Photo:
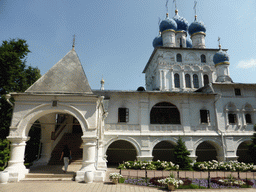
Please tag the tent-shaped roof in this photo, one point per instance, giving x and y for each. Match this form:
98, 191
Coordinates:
66, 76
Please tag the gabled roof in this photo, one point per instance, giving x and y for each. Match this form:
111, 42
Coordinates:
66, 76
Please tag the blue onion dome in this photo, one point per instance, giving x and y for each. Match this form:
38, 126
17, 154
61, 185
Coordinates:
158, 41
168, 24
182, 24
196, 26
221, 57
189, 43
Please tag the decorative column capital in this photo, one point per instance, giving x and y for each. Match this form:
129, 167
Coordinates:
15, 139
89, 140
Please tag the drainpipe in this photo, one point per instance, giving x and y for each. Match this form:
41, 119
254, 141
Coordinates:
8, 96
217, 125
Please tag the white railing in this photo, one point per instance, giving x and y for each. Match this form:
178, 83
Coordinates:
122, 127
239, 128
203, 128
165, 128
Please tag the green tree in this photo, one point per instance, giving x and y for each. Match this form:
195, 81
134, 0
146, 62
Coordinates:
252, 147
181, 156
4, 153
15, 76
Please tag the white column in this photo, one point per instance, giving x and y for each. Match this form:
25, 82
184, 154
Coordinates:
88, 164
212, 78
89, 148
144, 115
182, 80
164, 80
191, 80
171, 80
160, 80
47, 127
16, 167
243, 112
185, 117
227, 120
239, 115
46, 152
201, 79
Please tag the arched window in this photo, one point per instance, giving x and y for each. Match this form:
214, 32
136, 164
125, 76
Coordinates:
195, 81
248, 118
231, 114
203, 58
177, 80
206, 80
188, 81
179, 58
232, 118
164, 113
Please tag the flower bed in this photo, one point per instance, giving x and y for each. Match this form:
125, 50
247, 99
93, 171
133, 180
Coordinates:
115, 176
222, 166
152, 165
189, 183
231, 181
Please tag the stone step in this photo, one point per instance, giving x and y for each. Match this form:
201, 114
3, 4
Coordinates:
46, 179
48, 175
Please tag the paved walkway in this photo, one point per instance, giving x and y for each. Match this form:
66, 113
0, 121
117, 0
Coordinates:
71, 186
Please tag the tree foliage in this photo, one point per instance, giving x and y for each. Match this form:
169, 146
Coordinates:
252, 147
15, 76
4, 153
181, 156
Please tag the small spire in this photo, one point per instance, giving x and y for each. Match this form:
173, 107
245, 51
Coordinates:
159, 21
166, 5
175, 3
195, 10
102, 83
74, 40
219, 43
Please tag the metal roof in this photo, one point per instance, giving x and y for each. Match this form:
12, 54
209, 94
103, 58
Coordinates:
66, 76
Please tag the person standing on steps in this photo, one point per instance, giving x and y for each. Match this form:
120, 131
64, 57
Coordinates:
66, 154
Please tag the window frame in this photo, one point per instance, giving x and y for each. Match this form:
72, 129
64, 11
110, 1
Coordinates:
188, 81
179, 58
123, 115
246, 115
232, 116
176, 80
206, 118
195, 81
237, 92
203, 58
204, 79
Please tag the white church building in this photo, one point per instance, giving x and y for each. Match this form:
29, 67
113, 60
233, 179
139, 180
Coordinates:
188, 93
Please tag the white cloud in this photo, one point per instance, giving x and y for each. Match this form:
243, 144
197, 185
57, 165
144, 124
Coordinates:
246, 64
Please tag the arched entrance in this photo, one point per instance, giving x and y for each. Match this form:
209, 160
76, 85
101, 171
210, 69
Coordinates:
59, 129
163, 151
120, 151
243, 153
206, 152
164, 113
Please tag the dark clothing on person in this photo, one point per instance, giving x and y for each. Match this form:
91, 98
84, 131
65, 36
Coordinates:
66, 152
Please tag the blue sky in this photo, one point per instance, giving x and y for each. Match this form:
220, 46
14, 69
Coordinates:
114, 37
